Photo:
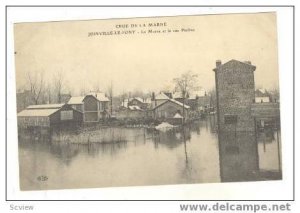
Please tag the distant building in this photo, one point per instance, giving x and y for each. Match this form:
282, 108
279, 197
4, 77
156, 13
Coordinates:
104, 106
198, 100
170, 109
262, 96
140, 102
94, 106
49, 115
274, 96
235, 93
204, 103
91, 109
130, 112
159, 99
178, 97
24, 99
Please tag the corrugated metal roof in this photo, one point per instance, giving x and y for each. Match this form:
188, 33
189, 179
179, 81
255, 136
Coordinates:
46, 106
76, 100
37, 112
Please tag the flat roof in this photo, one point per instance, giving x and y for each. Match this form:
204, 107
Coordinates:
46, 106
76, 100
37, 112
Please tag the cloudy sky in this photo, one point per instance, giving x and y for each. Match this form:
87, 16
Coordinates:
133, 60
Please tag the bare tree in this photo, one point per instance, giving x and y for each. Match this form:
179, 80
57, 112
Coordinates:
48, 93
58, 83
110, 95
36, 84
185, 84
123, 96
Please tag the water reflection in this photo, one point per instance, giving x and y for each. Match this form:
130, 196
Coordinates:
238, 156
242, 158
194, 154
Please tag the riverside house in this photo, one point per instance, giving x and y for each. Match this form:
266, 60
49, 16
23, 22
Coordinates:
94, 106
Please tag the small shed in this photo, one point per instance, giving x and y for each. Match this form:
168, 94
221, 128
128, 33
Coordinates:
49, 115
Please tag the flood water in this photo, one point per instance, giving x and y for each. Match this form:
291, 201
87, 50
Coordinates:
196, 154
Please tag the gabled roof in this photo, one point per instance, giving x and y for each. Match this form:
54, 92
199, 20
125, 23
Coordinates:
262, 90
162, 96
45, 106
37, 112
173, 101
177, 115
232, 61
91, 96
100, 96
261, 93
76, 100
138, 99
145, 101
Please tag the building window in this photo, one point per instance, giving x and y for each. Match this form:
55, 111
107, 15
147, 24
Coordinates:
66, 115
230, 119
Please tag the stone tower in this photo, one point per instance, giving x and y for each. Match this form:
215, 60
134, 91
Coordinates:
235, 93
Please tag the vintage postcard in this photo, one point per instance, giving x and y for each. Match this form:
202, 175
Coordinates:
148, 101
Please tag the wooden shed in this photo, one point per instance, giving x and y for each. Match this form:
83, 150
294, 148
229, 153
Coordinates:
49, 115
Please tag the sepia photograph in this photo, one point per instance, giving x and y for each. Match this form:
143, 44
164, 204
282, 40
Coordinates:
164, 100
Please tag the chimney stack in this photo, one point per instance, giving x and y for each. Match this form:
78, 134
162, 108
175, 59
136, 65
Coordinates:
153, 96
218, 63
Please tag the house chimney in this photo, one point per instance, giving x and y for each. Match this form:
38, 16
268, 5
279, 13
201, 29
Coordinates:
247, 62
218, 63
153, 96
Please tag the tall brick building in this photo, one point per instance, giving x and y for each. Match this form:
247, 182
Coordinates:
235, 92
